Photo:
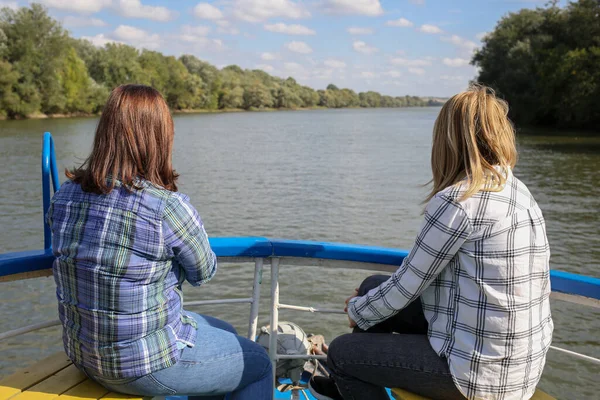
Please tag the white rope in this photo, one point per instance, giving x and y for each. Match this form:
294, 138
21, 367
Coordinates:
27, 329
578, 355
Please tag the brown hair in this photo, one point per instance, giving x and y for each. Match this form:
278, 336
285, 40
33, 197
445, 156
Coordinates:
134, 140
473, 136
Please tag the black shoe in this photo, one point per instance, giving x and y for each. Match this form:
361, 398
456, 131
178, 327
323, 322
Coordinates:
324, 388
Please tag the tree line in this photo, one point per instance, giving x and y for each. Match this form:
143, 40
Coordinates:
546, 64
43, 70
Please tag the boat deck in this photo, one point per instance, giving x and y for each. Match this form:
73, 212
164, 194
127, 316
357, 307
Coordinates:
57, 378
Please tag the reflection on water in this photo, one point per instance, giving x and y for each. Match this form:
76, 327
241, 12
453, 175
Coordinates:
339, 175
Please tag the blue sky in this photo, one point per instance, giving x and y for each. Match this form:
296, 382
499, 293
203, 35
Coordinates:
396, 47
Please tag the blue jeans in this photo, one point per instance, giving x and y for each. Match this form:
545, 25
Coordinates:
221, 362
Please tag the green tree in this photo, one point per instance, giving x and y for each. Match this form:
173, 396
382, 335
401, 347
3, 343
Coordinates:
78, 88
119, 64
286, 97
233, 98
36, 46
545, 63
9, 99
257, 95
210, 78
310, 98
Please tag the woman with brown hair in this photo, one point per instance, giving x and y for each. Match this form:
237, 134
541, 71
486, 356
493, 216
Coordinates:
467, 314
125, 240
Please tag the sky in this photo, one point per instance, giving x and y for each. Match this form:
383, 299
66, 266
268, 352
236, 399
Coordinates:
395, 47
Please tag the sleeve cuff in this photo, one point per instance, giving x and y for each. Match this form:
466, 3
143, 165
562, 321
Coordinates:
360, 322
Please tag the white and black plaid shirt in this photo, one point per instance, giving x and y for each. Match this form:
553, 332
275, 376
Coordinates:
481, 267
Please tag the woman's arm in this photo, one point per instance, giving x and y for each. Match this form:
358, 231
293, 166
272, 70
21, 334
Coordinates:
186, 238
443, 231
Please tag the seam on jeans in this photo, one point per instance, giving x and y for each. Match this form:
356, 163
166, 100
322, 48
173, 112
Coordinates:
225, 357
348, 390
269, 364
394, 365
161, 385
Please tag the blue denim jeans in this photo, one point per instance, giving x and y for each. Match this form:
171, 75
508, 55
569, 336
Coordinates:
221, 362
395, 354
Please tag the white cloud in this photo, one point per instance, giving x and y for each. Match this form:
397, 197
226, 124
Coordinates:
455, 62
452, 78
394, 73
126, 8
9, 4
135, 9
265, 67
293, 67
189, 43
100, 40
226, 27
80, 6
269, 56
228, 31
481, 35
395, 83
460, 42
136, 37
367, 75
193, 39
193, 33
405, 62
370, 8
402, 22
299, 47
364, 48
323, 73
74, 21
207, 11
262, 10
430, 29
289, 29
335, 64
417, 71
418, 2
360, 31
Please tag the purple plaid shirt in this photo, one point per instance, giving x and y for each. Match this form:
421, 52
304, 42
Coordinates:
120, 262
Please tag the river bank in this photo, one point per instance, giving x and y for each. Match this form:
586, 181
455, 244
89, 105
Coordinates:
200, 111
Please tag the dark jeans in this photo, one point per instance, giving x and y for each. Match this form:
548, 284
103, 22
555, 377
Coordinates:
395, 353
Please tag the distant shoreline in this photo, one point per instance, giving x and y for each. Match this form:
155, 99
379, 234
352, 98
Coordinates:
205, 111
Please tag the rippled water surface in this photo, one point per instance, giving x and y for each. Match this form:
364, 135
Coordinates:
350, 176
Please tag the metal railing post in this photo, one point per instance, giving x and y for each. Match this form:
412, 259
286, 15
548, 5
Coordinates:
274, 317
253, 324
49, 175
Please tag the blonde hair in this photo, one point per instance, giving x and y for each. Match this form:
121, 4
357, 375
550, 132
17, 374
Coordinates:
472, 137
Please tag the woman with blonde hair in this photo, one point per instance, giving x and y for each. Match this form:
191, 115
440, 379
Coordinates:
125, 240
467, 314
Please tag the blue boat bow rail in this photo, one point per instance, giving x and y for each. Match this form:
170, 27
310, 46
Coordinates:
247, 248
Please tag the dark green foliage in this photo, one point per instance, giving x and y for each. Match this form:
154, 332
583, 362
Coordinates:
545, 63
44, 70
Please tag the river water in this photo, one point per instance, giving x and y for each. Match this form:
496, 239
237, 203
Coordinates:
351, 176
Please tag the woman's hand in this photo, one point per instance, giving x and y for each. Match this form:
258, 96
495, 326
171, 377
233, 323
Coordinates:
351, 322
350, 298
